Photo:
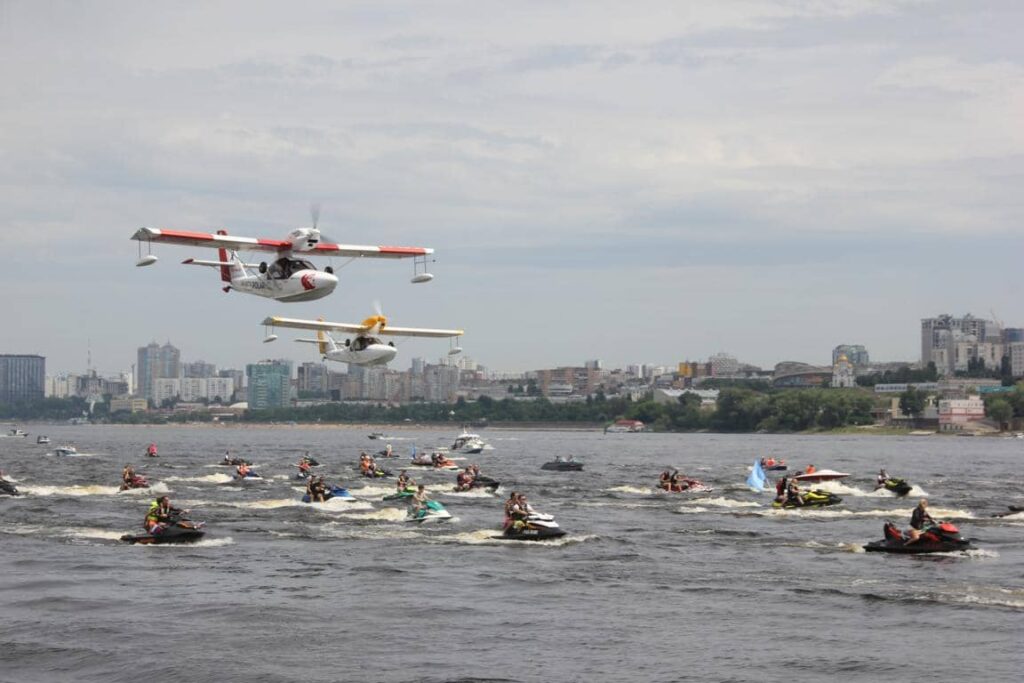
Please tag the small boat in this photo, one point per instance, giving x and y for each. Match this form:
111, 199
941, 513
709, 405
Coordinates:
65, 450
562, 465
377, 435
17, 433
469, 444
818, 476
42, 439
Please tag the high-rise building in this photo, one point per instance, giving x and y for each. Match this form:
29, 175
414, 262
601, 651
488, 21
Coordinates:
855, 353
312, 378
724, 365
269, 384
592, 364
198, 368
950, 342
156, 362
22, 378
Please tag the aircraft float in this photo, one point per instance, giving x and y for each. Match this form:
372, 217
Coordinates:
287, 278
365, 347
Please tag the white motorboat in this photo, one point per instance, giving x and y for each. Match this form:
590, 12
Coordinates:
65, 450
819, 476
17, 433
469, 444
43, 439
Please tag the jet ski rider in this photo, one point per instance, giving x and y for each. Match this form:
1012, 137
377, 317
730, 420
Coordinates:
665, 480
316, 489
793, 493
160, 515
464, 480
419, 499
404, 481
920, 520
128, 475
242, 471
882, 477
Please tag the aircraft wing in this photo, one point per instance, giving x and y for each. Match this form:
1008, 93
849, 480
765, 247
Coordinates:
313, 325
236, 243
418, 332
356, 329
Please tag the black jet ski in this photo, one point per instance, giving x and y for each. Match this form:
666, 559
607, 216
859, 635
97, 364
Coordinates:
815, 498
480, 482
377, 474
8, 489
559, 465
536, 527
898, 486
180, 531
312, 462
234, 462
1013, 510
943, 537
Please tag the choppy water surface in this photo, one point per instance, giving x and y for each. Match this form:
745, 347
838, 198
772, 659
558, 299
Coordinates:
646, 587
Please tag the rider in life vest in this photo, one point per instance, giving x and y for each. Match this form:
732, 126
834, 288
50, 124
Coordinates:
811, 469
242, 471
151, 450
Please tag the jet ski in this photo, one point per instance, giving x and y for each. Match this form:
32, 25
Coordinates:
814, 498
334, 492
249, 476
560, 465
405, 493
941, 538
180, 531
438, 463
818, 476
8, 489
137, 482
898, 486
774, 465
690, 486
312, 462
431, 512
234, 462
377, 473
536, 527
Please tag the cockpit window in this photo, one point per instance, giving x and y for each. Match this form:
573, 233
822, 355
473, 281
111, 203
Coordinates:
284, 267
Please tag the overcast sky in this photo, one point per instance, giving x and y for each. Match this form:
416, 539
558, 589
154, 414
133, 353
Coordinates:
636, 182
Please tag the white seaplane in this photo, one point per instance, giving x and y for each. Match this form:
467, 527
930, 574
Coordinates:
287, 278
365, 346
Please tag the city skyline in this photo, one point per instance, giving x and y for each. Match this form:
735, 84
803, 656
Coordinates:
768, 179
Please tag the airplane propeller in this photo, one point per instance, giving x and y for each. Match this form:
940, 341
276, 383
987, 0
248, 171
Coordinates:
314, 215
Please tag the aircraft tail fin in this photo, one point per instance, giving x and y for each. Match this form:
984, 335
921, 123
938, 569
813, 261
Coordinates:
322, 338
225, 271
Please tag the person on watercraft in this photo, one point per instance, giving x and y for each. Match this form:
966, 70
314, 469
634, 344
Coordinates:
242, 471
793, 493
474, 470
920, 520
419, 499
387, 451
464, 480
127, 475
781, 486
679, 482
511, 509
404, 481
151, 450
317, 490
304, 468
882, 477
665, 480
811, 469
160, 515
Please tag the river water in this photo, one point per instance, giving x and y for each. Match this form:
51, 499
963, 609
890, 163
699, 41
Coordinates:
647, 586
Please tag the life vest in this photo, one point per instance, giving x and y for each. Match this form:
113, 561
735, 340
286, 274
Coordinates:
811, 469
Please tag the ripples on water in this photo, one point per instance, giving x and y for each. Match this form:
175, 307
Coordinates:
647, 586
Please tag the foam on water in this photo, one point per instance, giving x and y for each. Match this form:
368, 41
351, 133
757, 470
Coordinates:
105, 534
201, 543
638, 490
339, 505
219, 478
472, 493
84, 490
384, 514
725, 503
493, 537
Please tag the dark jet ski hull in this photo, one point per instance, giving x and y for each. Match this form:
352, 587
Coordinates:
532, 534
775, 468
897, 486
919, 548
562, 466
485, 483
8, 489
811, 501
167, 536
